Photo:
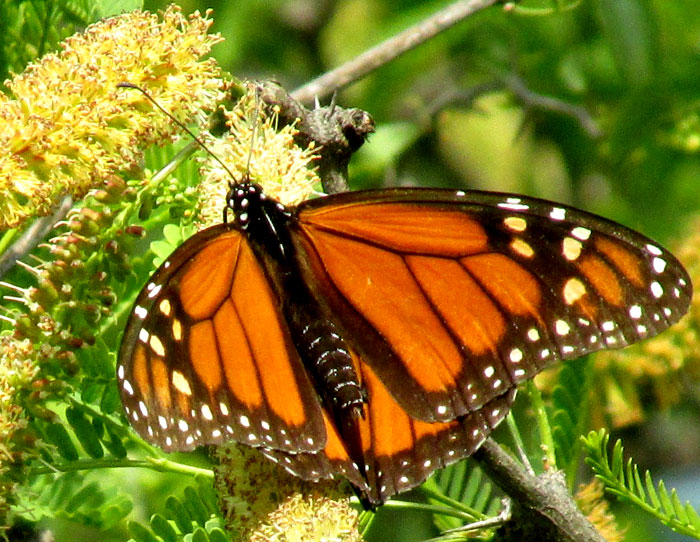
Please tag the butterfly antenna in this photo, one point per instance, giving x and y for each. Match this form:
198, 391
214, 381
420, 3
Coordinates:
253, 133
181, 125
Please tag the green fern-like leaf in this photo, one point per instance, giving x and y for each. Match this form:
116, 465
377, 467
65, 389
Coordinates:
623, 480
569, 414
73, 496
81, 433
194, 517
29, 29
464, 487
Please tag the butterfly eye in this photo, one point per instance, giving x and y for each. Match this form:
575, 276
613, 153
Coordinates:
380, 335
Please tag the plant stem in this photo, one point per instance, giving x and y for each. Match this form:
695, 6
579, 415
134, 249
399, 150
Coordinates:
388, 50
543, 508
159, 464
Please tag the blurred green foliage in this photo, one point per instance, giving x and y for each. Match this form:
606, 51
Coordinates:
447, 113
597, 106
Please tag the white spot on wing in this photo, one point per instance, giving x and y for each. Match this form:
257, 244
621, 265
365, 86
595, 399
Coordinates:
574, 290
561, 327
608, 325
165, 307
635, 312
571, 248
177, 329
157, 345
659, 265
515, 223
514, 204
521, 247
154, 291
656, 251
180, 383
206, 412
581, 233
557, 213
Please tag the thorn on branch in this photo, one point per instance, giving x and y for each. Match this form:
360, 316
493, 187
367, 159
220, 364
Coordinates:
337, 131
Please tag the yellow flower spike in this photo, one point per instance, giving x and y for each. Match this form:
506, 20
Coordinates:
591, 500
255, 145
17, 370
68, 126
263, 503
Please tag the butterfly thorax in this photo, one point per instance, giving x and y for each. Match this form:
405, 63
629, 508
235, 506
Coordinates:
258, 217
266, 224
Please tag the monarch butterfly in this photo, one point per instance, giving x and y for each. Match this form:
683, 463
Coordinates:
379, 335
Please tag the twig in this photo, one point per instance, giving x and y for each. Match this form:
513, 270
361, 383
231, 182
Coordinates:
488, 523
33, 235
548, 103
388, 50
527, 98
543, 509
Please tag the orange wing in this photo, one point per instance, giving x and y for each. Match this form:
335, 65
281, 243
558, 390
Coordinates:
453, 298
396, 452
430, 306
207, 356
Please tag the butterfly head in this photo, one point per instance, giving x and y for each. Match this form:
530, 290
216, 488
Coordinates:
251, 208
241, 199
